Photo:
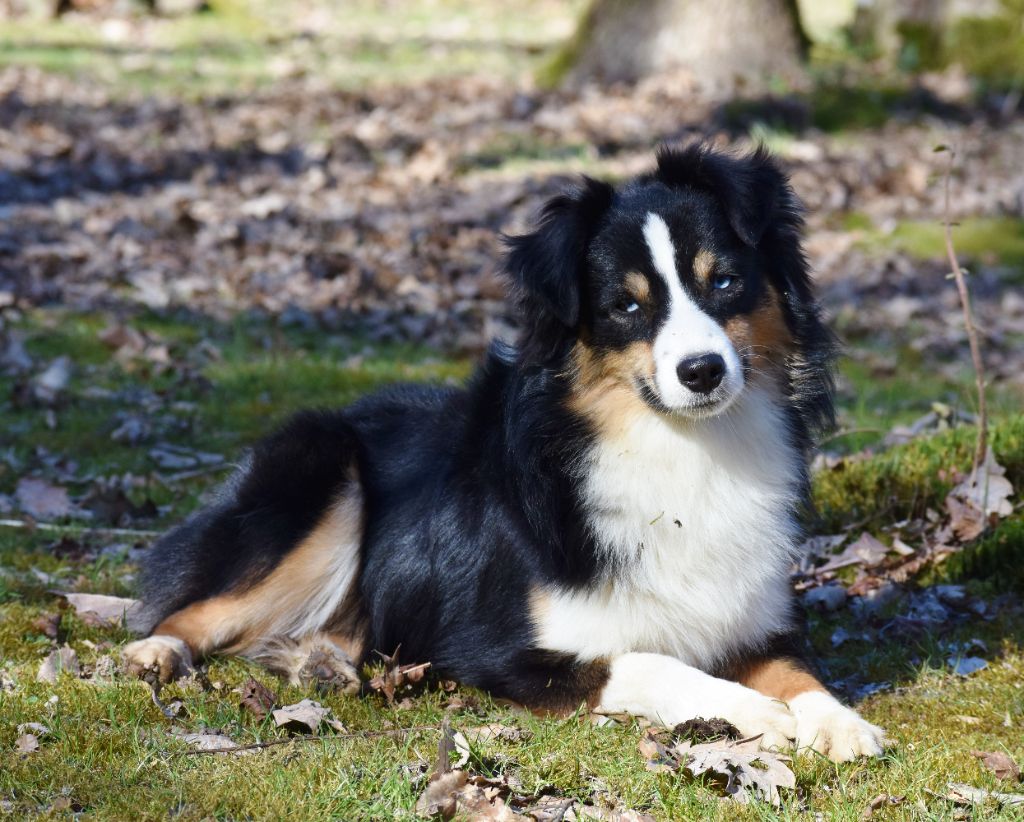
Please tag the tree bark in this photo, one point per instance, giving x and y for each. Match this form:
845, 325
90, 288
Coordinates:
722, 43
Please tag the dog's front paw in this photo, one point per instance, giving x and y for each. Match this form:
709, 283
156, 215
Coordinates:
825, 725
756, 715
160, 658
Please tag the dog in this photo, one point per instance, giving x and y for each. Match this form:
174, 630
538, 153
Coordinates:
606, 515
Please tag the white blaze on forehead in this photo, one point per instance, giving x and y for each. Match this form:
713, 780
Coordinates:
663, 253
688, 331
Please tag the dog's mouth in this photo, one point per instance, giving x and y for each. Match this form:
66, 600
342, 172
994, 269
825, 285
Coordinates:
700, 406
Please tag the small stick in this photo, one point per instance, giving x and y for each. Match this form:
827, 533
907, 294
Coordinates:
311, 738
981, 448
75, 529
848, 433
192, 473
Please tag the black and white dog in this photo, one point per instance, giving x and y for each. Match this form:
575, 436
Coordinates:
607, 514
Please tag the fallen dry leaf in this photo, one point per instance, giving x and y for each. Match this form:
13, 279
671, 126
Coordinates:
1001, 764
866, 551
50, 384
480, 800
41, 500
964, 794
26, 744
988, 490
48, 625
966, 520
439, 799
967, 665
63, 660
257, 698
739, 772
214, 742
737, 769
100, 610
396, 676
457, 793
306, 716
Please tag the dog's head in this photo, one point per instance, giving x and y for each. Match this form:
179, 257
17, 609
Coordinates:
677, 290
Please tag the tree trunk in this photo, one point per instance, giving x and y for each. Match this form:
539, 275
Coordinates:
722, 43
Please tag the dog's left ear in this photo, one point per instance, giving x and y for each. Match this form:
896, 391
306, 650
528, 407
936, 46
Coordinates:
752, 189
549, 264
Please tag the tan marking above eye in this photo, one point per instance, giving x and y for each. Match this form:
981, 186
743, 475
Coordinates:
703, 265
638, 287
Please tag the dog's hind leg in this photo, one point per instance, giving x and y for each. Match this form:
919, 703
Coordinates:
300, 620
269, 571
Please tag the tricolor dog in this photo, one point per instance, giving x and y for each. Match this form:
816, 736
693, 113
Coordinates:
606, 514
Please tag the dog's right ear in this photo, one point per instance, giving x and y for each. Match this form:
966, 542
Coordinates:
548, 264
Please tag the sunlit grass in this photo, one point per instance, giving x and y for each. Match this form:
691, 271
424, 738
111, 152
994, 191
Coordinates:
109, 751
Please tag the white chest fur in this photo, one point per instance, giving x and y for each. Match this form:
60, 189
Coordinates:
698, 519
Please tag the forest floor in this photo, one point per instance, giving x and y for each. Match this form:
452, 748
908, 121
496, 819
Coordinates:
208, 223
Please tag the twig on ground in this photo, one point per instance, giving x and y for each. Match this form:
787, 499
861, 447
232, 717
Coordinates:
31, 525
312, 738
849, 432
192, 473
981, 449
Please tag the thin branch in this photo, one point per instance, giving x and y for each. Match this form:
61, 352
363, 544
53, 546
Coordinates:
849, 432
31, 525
311, 738
192, 473
981, 448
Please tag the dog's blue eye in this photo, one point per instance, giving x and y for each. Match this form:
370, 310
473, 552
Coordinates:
627, 306
722, 281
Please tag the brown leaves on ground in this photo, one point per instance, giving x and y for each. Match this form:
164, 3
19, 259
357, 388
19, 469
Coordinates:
306, 717
459, 793
62, 660
999, 763
397, 678
48, 624
28, 739
736, 769
974, 504
978, 501
103, 611
43, 500
963, 794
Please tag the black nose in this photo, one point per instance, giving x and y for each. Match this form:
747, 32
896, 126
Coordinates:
702, 374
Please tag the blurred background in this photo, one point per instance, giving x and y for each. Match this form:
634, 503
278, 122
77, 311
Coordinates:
190, 186
214, 213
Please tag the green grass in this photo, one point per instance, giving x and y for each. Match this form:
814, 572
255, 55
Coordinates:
239, 47
110, 753
993, 240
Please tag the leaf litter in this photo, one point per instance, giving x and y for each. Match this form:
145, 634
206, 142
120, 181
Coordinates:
999, 763
735, 768
455, 791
